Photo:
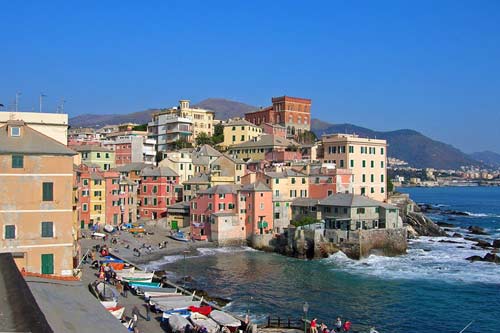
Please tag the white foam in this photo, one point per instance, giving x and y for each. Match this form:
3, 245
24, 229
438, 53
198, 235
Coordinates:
444, 261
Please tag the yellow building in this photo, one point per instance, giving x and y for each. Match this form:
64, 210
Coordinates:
36, 206
97, 198
367, 158
96, 155
238, 131
257, 148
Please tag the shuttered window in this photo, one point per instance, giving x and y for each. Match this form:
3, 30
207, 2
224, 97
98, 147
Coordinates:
47, 229
48, 192
17, 161
10, 231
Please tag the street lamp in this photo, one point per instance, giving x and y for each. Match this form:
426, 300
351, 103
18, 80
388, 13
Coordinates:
305, 307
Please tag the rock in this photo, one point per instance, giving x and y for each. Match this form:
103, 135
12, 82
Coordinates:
456, 235
496, 243
483, 243
460, 247
455, 212
474, 229
491, 257
472, 239
423, 225
449, 241
445, 224
495, 251
411, 233
474, 258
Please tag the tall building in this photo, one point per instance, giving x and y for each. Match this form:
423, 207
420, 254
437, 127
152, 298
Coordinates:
366, 158
36, 200
181, 123
293, 113
238, 131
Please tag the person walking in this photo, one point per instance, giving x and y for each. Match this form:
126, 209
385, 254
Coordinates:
338, 325
314, 328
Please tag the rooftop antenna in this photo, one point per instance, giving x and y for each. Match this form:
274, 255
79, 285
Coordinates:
41, 100
17, 100
62, 105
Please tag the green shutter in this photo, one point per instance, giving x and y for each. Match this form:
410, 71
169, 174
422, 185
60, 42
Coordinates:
47, 264
48, 192
10, 231
17, 161
47, 229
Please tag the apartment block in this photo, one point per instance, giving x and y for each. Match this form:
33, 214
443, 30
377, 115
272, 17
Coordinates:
158, 189
238, 131
101, 157
366, 158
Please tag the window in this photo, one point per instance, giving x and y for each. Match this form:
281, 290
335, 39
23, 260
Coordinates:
107, 155
10, 232
351, 149
48, 192
341, 163
230, 206
382, 190
209, 206
372, 164
276, 215
97, 182
242, 138
372, 190
15, 131
144, 189
47, 229
262, 206
303, 180
352, 163
363, 191
381, 151
17, 161
98, 155
145, 201
86, 182
277, 193
382, 164
382, 178
222, 196
363, 178
155, 189
97, 193
293, 180
234, 138
85, 207
372, 178
97, 207
363, 163
360, 211
155, 201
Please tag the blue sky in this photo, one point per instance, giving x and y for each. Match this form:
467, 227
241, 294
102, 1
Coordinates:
432, 66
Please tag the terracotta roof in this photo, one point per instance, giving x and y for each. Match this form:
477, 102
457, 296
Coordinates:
30, 142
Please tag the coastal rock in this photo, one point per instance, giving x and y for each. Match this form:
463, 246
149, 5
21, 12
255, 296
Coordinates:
474, 258
474, 229
496, 243
455, 212
423, 225
411, 233
445, 224
472, 239
483, 243
450, 241
456, 235
488, 257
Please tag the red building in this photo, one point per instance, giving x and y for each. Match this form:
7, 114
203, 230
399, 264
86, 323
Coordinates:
293, 113
325, 182
113, 212
158, 189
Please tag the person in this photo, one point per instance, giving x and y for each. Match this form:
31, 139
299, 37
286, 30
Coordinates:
135, 311
314, 329
323, 328
338, 325
347, 326
125, 289
119, 288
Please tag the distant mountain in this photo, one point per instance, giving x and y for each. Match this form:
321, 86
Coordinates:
487, 157
408, 145
100, 120
224, 108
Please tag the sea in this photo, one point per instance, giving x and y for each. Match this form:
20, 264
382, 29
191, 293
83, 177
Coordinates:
430, 289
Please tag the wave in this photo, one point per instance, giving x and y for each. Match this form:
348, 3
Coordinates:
481, 214
426, 258
200, 252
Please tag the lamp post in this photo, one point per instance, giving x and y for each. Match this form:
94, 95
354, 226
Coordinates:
305, 307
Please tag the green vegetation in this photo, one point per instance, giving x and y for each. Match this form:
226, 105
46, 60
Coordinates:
218, 134
203, 139
390, 185
305, 220
143, 127
182, 143
307, 137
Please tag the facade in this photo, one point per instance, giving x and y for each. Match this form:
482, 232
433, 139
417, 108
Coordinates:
36, 200
195, 184
132, 171
53, 125
238, 131
293, 113
324, 182
95, 155
113, 214
178, 215
181, 162
158, 189
366, 158
256, 203
132, 149
203, 157
274, 129
257, 148
227, 170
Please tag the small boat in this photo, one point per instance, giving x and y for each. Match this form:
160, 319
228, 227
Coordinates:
224, 319
180, 236
178, 323
174, 305
126, 271
138, 230
149, 294
109, 228
170, 298
145, 284
103, 291
204, 310
109, 304
135, 277
181, 312
97, 235
204, 321
117, 311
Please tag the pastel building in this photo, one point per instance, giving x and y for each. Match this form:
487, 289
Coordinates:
181, 162
258, 148
366, 158
256, 203
102, 157
324, 182
158, 189
238, 131
36, 200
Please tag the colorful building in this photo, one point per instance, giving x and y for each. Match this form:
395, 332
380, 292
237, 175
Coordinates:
158, 189
238, 131
256, 203
257, 148
324, 182
36, 200
96, 155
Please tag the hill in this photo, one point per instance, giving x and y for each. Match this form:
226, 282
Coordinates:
224, 108
411, 146
487, 157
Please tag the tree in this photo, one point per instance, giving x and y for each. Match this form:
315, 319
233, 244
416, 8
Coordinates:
307, 137
390, 185
304, 220
143, 127
203, 139
218, 134
182, 143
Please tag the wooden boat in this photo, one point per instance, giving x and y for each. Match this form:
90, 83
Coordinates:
145, 284
170, 298
135, 277
109, 228
178, 323
126, 271
204, 321
149, 294
109, 304
224, 319
180, 236
204, 310
181, 312
103, 291
173, 305
117, 311
137, 230
97, 235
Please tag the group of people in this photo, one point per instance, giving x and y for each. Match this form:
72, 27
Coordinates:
338, 326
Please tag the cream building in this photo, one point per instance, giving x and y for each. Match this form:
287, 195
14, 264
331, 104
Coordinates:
54, 125
238, 131
181, 162
257, 148
367, 158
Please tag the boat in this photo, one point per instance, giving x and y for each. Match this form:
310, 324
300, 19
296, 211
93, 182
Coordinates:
204, 310
109, 304
181, 312
224, 319
145, 284
178, 323
203, 321
170, 298
97, 235
138, 230
174, 305
126, 271
180, 236
149, 294
109, 228
135, 277
117, 311
103, 291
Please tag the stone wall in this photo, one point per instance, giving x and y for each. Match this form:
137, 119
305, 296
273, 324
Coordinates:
388, 242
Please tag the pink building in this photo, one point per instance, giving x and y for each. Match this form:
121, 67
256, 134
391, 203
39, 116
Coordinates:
281, 156
113, 213
158, 189
325, 182
274, 129
257, 204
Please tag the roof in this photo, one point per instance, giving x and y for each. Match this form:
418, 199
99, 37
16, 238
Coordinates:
127, 181
284, 174
305, 202
239, 122
234, 159
151, 171
136, 166
202, 178
352, 200
91, 148
256, 187
96, 176
224, 214
221, 189
207, 150
266, 140
30, 142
